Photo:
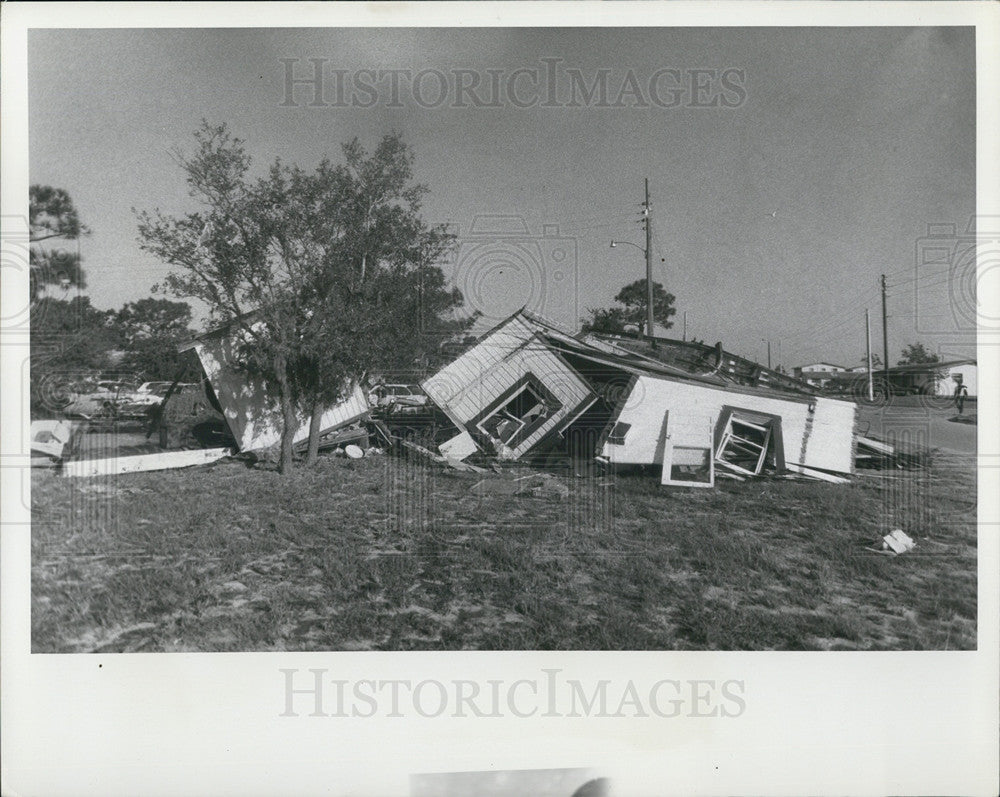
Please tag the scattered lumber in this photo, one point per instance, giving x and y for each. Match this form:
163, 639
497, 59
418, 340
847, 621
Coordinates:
143, 462
875, 445
813, 473
451, 463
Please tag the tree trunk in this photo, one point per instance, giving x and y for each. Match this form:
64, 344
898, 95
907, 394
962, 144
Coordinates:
314, 430
289, 425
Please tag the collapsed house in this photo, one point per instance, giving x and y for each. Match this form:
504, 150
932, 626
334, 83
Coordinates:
527, 388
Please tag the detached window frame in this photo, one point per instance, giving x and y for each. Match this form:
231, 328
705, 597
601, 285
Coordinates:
525, 428
681, 456
773, 450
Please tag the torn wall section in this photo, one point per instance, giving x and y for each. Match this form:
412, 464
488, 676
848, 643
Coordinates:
814, 432
510, 391
251, 409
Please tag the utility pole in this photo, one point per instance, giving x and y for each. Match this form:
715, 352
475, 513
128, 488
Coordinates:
649, 265
885, 339
868, 350
768, 342
684, 336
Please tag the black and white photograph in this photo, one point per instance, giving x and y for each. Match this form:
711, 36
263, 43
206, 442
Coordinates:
542, 340
517, 339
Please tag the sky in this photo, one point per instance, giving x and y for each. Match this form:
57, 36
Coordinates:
810, 162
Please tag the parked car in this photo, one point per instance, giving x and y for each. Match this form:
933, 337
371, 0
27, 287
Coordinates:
150, 395
398, 397
103, 398
152, 392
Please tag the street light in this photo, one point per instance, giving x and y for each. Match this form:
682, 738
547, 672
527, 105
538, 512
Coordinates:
649, 288
628, 243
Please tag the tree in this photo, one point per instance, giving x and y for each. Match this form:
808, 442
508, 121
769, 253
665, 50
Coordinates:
377, 300
318, 275
238, 255
52, 215
876, 361
608, 321
632, 299
70, 340
917, 353
150, 330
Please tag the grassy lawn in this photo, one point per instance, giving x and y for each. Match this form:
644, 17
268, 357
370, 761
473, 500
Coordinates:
388, 554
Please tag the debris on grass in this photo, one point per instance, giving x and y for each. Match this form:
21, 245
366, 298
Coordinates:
459, 447
538, 485
898, 542
143, 462
49, 439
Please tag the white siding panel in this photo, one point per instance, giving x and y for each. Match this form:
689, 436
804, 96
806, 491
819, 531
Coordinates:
469, 384
693, 408
828, 446
252, 411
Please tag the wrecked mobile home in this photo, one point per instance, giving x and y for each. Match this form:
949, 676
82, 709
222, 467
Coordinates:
528, 388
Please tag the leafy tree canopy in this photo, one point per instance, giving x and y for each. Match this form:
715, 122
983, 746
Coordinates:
877, 364
150, 330
631, 309
52, 215
916, 354
153, 318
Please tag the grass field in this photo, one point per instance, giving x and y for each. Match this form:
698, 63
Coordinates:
388, 554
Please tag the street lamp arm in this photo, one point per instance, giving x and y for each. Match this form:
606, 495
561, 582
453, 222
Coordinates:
627, 243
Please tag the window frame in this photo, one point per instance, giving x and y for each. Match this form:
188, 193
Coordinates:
528, 381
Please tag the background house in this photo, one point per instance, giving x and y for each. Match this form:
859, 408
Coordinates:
817, 374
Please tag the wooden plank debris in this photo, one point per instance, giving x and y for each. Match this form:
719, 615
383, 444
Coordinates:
813, 473
898, 542
459, 447
144, 462
451, 463
875, 445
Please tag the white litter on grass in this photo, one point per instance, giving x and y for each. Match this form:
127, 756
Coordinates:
898, 542
353, 451
459, 447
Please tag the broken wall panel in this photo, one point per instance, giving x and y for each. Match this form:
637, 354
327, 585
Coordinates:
816, 432
252, 410
510, 390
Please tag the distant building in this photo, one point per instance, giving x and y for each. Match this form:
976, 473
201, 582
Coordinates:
818, 374
828, 367
930, 379
935, 379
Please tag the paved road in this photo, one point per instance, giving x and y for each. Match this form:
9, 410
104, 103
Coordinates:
910, 417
